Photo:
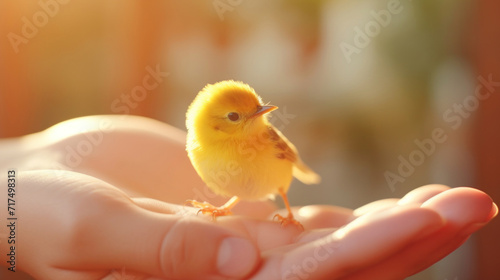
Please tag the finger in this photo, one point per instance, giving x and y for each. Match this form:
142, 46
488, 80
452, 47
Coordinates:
259, 209
463, 209
269, 235
422, 194
378, 205
266, 234
158, 206
323, 216
168, 246
319, 216
463, 206
366, 240
401, 265
122, 273
416, 196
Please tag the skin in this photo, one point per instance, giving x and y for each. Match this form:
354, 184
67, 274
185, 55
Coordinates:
110, 217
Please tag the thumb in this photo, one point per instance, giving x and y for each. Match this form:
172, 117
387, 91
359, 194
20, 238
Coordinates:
197, 249
175, 247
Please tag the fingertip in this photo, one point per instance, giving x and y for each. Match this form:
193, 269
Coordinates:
198, 249
463, 206
237, 257
475, 226
494, 211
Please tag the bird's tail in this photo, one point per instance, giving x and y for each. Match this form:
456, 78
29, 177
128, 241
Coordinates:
302, 172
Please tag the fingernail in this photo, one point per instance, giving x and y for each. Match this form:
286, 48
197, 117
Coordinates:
237, 257
471, 228
468, 230
494, 211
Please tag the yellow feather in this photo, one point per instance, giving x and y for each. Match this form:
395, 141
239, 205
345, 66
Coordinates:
234, 148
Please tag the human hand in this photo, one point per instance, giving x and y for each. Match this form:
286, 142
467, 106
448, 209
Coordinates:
82, 210
386, 239
121, 234
78, 227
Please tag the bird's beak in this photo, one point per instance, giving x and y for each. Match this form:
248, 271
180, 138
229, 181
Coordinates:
264, 109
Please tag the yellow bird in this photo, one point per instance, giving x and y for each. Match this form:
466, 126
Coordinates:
237, 152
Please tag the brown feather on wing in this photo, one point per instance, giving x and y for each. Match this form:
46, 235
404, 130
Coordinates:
286, 150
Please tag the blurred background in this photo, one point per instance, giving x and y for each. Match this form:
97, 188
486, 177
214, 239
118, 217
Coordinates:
380, 96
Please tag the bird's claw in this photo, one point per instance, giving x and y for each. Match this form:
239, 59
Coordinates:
207, 208
284, 221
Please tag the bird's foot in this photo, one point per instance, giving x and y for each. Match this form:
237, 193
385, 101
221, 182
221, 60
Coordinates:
207, 208
284, 221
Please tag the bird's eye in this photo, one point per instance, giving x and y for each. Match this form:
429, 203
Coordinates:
233, 116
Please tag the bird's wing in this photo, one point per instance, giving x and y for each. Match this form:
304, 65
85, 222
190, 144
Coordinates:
286, 150
302, 172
